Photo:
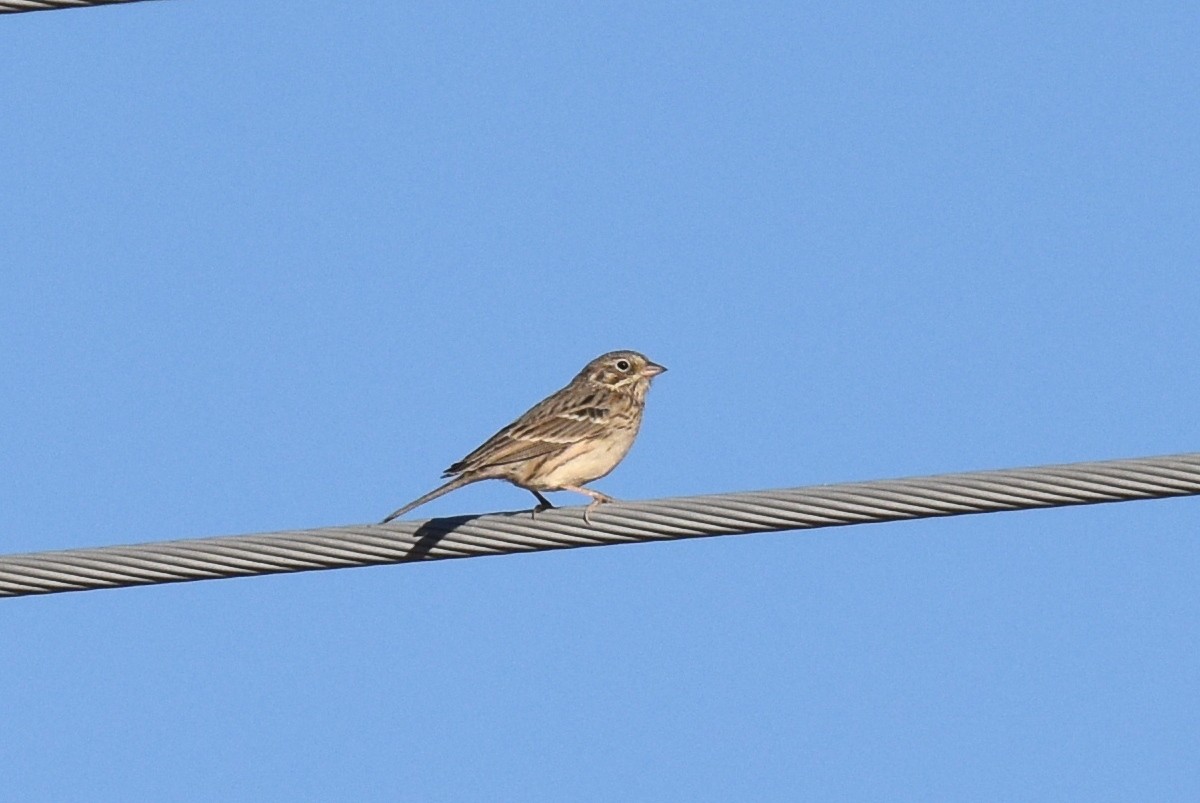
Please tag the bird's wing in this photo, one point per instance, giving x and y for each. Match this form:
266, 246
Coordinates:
550, 426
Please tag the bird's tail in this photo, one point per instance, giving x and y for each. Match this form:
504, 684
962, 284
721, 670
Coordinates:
454, 484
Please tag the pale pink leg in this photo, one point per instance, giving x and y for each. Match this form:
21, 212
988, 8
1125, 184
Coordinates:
597, 499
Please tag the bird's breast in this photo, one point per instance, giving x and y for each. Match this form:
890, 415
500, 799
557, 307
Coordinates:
585, 461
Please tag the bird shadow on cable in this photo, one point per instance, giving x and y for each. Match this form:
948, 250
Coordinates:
432, 532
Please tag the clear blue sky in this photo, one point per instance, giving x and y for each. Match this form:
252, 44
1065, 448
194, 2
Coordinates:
275, 265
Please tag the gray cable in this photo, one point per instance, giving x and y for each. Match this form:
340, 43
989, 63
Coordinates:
561, 528
16, 6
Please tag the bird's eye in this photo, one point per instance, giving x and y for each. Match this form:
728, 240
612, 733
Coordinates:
622, 365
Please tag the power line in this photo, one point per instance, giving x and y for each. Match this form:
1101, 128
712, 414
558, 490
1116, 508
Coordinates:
618, 523
17, 6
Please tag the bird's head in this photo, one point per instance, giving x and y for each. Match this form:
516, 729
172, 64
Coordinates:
622, 371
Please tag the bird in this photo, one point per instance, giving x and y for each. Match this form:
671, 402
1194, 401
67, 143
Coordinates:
574, 436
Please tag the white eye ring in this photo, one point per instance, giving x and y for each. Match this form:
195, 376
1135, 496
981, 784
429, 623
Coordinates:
622, 365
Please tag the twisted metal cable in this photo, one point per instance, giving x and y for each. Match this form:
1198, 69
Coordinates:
563, 528
17, 6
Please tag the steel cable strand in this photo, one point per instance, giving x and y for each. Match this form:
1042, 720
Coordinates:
562, 528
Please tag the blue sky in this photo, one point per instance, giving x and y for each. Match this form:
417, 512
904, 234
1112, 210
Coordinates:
270, 265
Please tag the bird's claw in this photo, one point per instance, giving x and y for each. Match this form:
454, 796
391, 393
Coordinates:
596, 502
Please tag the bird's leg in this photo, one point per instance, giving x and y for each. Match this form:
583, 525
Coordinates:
543, 503
597, 499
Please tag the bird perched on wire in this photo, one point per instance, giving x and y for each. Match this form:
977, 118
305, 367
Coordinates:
568, 439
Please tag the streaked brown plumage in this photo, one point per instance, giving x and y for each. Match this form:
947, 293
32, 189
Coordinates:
570, 438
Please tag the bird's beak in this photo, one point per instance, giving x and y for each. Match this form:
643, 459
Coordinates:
652, 369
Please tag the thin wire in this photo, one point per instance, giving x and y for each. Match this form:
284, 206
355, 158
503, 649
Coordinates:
17, 6
618, 523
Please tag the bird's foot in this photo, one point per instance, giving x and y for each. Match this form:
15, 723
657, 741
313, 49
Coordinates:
597, 500
543, 504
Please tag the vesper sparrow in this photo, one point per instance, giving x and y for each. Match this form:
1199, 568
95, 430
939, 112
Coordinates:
568, 439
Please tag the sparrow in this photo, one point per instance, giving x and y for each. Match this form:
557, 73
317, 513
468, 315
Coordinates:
572, 437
